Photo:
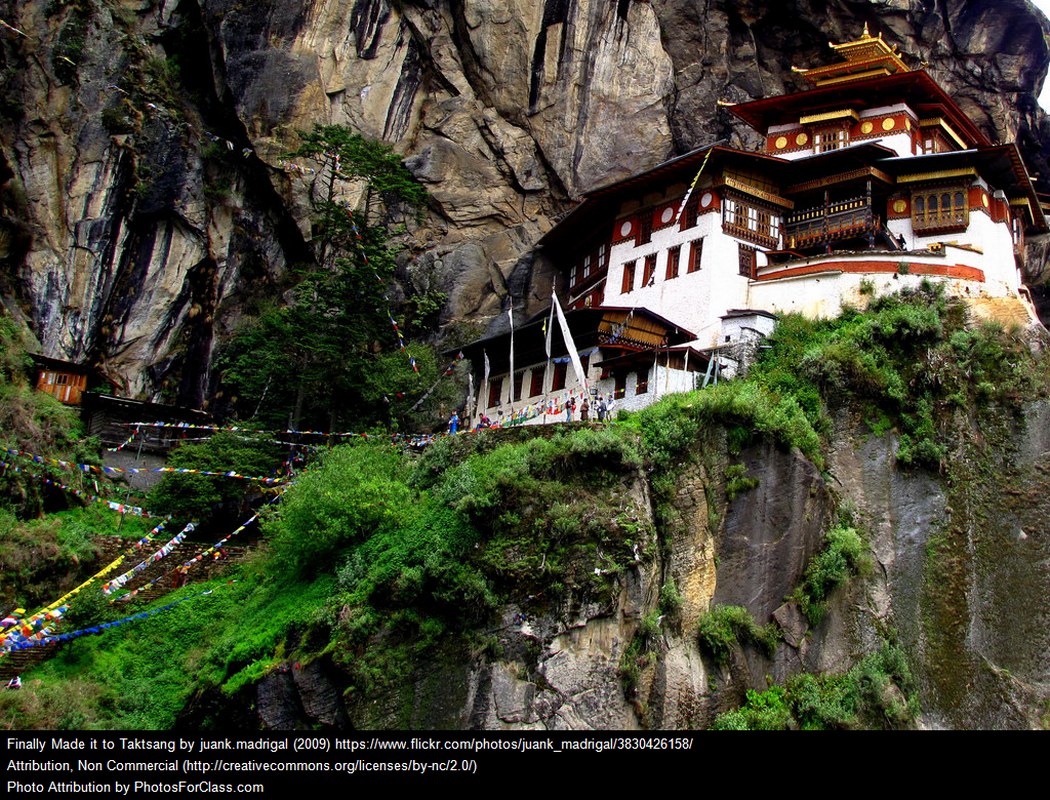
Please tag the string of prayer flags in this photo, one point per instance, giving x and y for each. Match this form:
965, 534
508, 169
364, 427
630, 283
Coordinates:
186, 566
37, 623
104, 470
125, 443
119, 581
87, 497
47, 639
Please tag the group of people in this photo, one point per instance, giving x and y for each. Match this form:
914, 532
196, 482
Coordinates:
602, 407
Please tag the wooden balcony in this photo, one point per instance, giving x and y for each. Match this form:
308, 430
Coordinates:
841, 220
748, 235
940, 221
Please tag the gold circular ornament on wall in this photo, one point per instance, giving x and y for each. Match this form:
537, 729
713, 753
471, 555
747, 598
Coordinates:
900, 206
984, 200
801, 139
888, 123
907, 124
867, 127
781, 142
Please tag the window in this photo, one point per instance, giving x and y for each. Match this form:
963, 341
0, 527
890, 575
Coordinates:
825, 139
628, 278
729, 209
586, 266
755, 223
696, 250
649, 271
672, 262
495, 391
940, 210
519, 379
748, 261
603, 252
536, 384
645, 228
559, 376
642, 384
692, 213
572, 276
620, 389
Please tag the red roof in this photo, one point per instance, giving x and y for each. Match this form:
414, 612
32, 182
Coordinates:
916, 88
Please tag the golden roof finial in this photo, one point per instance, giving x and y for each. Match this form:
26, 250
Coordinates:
866, 35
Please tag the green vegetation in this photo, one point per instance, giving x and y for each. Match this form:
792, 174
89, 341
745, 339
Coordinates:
35, 422
188, 497
737, 481
380, 561
879, 692
845, 555
724, 627
331, 358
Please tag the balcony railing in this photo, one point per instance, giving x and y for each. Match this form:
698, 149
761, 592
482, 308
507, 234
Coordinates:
840, 220
762, 238
940, 221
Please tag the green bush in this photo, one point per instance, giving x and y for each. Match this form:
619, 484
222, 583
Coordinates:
722, 628
190, 496
844, 556
737, 481
357, 492
878, 692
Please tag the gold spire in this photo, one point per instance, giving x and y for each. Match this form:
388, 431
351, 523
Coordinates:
864, 58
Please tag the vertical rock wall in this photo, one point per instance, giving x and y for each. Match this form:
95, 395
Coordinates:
146, 205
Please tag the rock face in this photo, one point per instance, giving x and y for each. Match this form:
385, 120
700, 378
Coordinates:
959, 582
145, 203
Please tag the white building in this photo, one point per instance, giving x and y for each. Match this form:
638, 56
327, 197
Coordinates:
872, 180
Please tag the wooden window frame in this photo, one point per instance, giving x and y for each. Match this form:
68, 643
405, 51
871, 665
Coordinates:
536, 381
696, 255
928, 214
747, 260
674, 254
495, 392
560, 372
627, 284
648, 270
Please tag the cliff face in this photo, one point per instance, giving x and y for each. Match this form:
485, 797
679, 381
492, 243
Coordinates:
146, 204
956, 583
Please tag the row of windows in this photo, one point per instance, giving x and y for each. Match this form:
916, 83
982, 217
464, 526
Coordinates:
641, 384
940, 210
593, 263
747, 221
671, 267
536, 380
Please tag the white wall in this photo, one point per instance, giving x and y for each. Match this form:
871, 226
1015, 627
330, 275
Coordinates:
693, 300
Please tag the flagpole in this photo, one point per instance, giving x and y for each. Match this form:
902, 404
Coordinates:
689, 191
510, 391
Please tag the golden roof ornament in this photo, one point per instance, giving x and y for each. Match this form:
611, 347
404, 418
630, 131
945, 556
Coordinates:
865, 57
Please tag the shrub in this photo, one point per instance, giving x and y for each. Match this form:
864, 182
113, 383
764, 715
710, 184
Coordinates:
844, 556
358, 491
192, 496
720, 629
877, 692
